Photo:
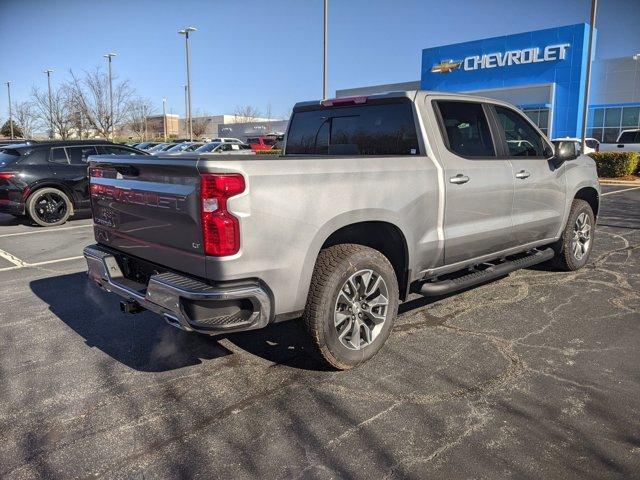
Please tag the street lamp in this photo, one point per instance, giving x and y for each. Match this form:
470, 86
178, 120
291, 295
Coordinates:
186, 109
164, 117
48, 73
185, 31
636, 57
109, 56
325, 58
587, 79
10, 111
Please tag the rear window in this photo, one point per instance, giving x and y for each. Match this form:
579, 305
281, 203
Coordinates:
8, 156
629, 137
383, 129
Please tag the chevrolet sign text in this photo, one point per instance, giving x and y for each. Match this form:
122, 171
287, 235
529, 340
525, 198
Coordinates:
517, 57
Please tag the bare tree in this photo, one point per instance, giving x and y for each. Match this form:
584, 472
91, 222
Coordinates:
60, 116
199, 123
246, 114
91, 93
137, 112
26, 116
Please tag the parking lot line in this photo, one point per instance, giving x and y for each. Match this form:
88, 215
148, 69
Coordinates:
22, 264
45, 230
12, 259
620, 191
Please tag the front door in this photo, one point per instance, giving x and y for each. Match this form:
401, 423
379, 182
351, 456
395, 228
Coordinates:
478, 184
540, 188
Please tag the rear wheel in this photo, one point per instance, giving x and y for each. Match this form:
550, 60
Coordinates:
575, 245
49, 207
352, 304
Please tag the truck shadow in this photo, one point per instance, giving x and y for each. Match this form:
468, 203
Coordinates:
145, 342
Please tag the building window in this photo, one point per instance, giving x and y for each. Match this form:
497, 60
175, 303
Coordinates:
605, 124
539, 116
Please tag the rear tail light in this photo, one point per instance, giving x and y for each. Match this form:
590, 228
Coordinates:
7, 175
220, 229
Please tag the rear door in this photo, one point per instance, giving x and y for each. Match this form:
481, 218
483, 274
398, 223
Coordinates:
149, 207
78, 176
540, 188
478, 183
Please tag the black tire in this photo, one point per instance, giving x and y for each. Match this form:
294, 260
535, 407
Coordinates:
49, 207
566, 258
334, 267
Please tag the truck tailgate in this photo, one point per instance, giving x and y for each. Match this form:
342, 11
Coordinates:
149, 207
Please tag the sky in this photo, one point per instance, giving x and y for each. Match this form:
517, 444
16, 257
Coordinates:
268, 53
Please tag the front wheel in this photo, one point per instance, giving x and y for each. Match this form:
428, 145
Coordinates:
49, 207
575, 245
352, 304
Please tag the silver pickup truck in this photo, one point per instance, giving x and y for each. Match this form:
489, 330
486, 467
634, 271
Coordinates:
373, 198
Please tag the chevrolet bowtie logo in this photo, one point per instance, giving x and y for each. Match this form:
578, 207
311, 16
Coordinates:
446, 66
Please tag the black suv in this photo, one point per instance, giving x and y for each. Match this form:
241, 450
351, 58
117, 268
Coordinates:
48, 181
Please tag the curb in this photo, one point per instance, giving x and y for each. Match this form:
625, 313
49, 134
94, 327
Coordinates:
604, 181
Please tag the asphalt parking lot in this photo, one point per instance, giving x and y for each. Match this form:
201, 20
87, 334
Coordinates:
532, 376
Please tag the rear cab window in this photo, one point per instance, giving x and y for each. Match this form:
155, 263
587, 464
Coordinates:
369, 129
465, 129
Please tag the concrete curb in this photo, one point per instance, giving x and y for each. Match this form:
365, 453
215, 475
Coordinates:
605, 181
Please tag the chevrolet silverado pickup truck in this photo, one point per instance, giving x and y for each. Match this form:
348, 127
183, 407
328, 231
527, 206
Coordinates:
372, 199
628, 141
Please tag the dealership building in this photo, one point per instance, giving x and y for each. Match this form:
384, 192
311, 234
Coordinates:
543, 73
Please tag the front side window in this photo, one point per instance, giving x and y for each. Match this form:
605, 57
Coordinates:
629, 137
522, 139
383, 129
467, 129
79, 155
58, 155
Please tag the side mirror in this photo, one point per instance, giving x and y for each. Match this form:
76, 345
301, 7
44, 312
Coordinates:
565, 151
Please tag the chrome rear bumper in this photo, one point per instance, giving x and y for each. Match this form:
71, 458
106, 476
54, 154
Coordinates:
185, 302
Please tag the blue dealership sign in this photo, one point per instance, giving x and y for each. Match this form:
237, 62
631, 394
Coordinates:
555, 56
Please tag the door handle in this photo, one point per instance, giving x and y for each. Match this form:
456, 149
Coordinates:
523, 174
459, 179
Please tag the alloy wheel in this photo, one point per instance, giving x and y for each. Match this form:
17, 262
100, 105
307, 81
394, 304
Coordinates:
50, 207
361, 309
581, 241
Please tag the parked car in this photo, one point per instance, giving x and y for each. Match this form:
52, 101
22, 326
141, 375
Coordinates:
183, 147
161, 148
628, 141
591, 144
373, 198
146, 145
48, 181
217, 148
265, 142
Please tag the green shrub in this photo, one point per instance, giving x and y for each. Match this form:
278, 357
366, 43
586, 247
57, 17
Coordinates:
615, 164
269, 152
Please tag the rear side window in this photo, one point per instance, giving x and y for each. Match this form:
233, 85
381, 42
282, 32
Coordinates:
467, 129
387, 129
58, 155
522, 139
629, 137
79, 155
36, 157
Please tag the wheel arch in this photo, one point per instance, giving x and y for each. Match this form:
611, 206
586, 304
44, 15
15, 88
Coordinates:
363, 229
51, 184
591, 196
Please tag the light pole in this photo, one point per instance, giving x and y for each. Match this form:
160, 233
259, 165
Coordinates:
325, 44
49, 72
109, 56
10, 111
592, 26
186, 108
164, 117
185, 31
